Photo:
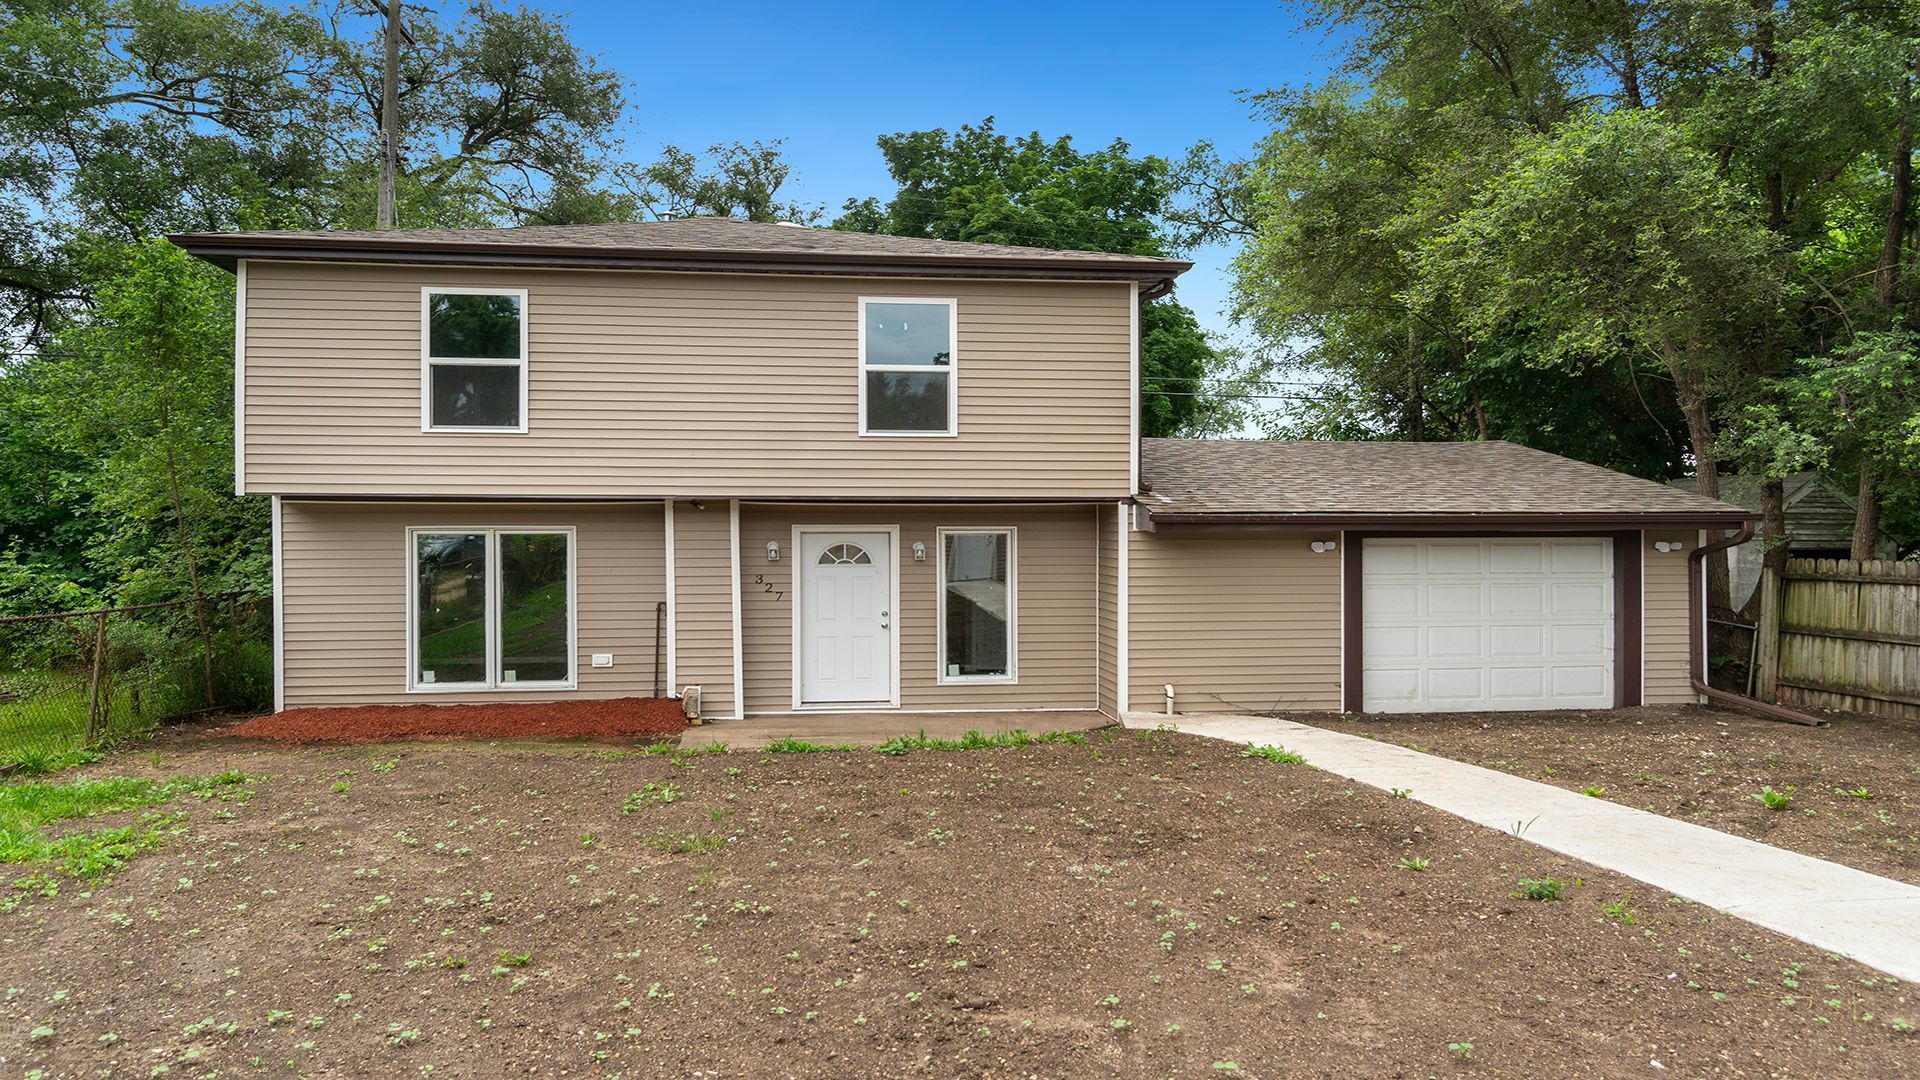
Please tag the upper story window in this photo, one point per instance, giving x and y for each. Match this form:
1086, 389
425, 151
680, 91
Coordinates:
907, 367
474, 368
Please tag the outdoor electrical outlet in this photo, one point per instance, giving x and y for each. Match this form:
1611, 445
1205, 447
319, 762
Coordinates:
603, 659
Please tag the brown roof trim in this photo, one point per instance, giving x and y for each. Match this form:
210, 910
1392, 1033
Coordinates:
758, 500
1557, 522
225, 249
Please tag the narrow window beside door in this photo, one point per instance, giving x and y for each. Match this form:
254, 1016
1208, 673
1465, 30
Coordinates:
491, 609
977, 606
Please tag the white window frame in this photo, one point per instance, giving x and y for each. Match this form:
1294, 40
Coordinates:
494, 682
428, 360
1013, 606
952, 369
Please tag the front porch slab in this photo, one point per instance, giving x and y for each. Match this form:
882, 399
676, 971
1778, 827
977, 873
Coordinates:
874, 728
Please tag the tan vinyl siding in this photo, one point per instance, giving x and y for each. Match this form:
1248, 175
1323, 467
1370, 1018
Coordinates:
346, 589
703, 604
1107, 607
1054, 603
1667, 678
1238, 623
697, 385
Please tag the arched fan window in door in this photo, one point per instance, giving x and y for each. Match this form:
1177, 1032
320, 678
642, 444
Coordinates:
845, 555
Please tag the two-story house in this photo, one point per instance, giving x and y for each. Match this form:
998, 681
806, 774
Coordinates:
811, 470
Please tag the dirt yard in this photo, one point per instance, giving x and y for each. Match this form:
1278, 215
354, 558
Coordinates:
1145, 904
1853, 786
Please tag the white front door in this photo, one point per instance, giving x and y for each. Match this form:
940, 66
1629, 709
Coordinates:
845, 626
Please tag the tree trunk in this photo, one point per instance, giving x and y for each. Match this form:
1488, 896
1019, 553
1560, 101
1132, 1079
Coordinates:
386, 210
1773, 539
186, 551
1866, 515
1886, 271
1690, 391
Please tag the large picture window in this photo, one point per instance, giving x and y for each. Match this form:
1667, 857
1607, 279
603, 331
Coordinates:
474, 363
907, 367
977, 605
491, 609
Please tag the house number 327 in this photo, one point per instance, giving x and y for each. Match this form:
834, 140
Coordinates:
767, 586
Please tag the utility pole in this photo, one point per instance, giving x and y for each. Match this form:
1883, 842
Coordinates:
386, 213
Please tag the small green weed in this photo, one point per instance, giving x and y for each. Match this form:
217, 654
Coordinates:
1414, 863
1274, 753
791, 745
1594, 790
1621, 911
1541, 888
651, 793
975, 739
1774, 800
682, 842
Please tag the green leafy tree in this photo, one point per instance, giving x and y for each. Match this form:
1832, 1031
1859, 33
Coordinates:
978, 185
740, 180
1499, 213
143, 393
120, 119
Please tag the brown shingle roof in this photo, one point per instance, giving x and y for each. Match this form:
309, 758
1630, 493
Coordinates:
1332, 482
692, 243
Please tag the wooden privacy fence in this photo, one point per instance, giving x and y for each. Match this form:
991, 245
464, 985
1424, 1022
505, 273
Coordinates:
1841, 634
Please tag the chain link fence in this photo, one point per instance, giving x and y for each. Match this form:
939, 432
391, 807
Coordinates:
83, 680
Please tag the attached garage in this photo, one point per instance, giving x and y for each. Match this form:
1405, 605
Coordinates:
1406, 577
1456, 625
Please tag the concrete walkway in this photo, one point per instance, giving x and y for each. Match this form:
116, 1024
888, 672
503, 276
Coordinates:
1872, 919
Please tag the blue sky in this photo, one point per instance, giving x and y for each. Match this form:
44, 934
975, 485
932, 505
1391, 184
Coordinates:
829, 78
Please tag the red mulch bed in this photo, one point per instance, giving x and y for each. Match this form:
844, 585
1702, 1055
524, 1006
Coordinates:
616, 718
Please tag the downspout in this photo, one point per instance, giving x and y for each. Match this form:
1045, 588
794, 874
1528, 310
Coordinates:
1697, 634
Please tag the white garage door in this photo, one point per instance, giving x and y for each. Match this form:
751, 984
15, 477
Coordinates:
1451, 625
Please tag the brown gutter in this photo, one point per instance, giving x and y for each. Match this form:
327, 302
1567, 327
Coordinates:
1538, 522
225, 249
1697, 633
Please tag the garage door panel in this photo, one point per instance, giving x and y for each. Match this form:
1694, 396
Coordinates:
1454, 558
1581, 597
1582, 682
1449, 601
1394, 685
1462, 686
1517, 558
1392, 643
1464, 624
1517, 598
1391, 599
1582, 557
1581, 639
1456, 642
1517, 683
1517, 642
1393, 557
